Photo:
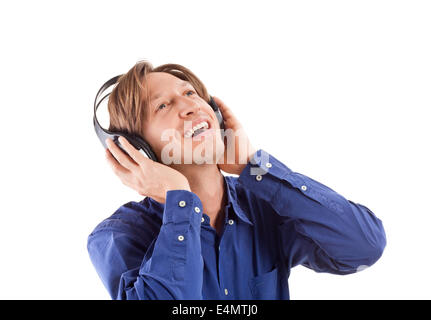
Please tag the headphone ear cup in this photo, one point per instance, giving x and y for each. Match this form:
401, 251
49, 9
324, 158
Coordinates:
135, 140
138, 143
220, 118
217, 112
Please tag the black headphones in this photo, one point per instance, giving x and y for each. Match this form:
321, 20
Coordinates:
135, 140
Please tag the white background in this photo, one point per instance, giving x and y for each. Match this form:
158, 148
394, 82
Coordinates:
336, 90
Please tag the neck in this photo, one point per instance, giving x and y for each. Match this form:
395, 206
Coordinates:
207, 182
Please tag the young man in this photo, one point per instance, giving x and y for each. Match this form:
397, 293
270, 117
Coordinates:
199, 234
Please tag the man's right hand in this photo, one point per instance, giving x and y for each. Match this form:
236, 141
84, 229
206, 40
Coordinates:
145, 176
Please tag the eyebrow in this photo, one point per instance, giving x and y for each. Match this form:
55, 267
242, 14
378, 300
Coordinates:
156, 96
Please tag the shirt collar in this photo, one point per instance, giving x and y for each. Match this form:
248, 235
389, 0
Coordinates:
233, 199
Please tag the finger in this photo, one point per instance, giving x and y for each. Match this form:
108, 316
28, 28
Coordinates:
125, 175
231, 122
137, 156
225, 110
115, 165
120, 156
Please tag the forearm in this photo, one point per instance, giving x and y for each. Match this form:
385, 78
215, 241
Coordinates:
137, 259
347, 232
176, 265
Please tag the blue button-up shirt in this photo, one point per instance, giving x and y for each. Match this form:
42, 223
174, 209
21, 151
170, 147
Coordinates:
274, 219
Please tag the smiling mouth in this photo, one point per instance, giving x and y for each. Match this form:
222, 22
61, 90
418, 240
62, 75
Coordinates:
196, 130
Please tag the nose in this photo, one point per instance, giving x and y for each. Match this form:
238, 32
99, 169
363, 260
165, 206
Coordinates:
188, 107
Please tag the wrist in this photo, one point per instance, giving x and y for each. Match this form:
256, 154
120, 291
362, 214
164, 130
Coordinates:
183, 185
243, 166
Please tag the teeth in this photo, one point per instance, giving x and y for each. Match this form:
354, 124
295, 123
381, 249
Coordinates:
190, 132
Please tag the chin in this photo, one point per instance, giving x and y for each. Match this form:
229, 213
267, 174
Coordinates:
207, 151
204, 150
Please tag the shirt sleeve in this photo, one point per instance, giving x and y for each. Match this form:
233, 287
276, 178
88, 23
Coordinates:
330, 233
170, 267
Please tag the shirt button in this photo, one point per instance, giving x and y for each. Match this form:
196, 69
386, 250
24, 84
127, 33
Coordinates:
268, 165
180, 238
304, 188
197, 209
202, 220
226, 292
231, 222
182, 203
258, 177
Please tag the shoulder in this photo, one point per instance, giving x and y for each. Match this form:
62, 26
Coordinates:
249, 202
119, 243
243, 194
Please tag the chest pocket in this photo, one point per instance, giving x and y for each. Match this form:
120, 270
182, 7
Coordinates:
266, 286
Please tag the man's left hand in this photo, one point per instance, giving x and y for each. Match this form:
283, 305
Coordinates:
237, 154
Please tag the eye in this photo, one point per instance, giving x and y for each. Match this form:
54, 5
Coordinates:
160, 107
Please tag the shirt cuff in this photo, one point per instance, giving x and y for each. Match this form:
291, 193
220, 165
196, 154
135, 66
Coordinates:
182, 206
263, 175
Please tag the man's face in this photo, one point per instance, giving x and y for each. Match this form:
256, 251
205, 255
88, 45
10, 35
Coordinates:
174, 108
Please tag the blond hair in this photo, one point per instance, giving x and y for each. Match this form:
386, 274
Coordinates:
128, 106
